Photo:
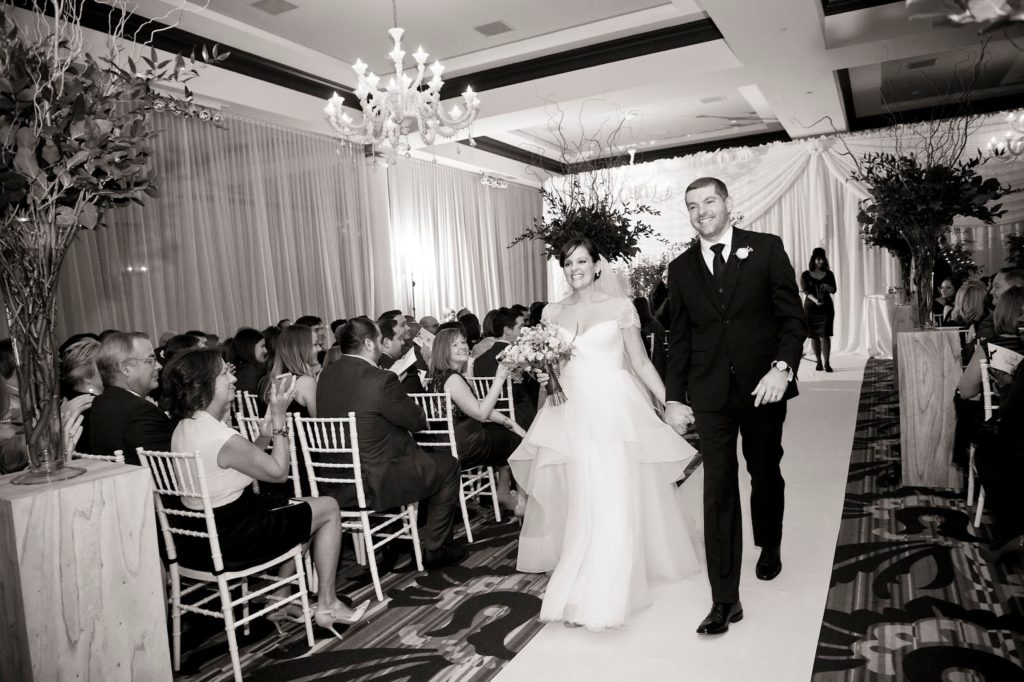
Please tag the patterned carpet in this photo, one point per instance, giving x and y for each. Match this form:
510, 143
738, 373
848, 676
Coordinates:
910, 597
458, 623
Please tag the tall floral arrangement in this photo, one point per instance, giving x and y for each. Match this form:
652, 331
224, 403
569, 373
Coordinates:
74, 143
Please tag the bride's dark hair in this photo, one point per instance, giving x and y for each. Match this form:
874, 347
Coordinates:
572, 244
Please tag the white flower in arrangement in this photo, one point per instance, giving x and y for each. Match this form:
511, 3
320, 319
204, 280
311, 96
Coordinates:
539, 347
744, 252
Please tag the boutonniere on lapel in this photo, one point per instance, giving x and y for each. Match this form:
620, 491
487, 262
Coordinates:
743, 253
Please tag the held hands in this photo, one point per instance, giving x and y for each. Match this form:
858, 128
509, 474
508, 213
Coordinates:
679, 417
771, 388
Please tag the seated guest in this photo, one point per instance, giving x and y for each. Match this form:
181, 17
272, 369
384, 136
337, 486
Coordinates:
200, 336
1006, 319
80, 377
296, 356
248, 353
334, 352
462, 313
507, 326
521, 311
270, 335
471, 325
390, 344
1000, 461
121, 418
411, 381
484, 437
396, 471
430, 324
1001, 281
179, 344
252, 528
281, 324
13, 452
319, 335
653, 335
942, 306
412, 325
536, 312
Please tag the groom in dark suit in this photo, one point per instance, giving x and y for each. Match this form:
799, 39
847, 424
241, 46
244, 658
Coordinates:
736, 338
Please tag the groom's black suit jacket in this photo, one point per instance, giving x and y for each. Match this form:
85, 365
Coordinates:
756, 319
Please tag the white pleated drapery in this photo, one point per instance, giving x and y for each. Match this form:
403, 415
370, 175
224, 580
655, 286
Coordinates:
450, 234
254, 223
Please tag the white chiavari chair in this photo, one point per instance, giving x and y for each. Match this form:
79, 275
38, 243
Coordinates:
181, 474
118, 456
505, 405
330, 449
440, 435
989, 408
245, 404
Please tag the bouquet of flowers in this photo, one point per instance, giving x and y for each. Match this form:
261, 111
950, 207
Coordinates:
539, 347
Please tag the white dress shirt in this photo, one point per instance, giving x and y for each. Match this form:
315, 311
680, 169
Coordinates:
709, 255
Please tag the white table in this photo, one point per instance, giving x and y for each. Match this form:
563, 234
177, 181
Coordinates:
877, 327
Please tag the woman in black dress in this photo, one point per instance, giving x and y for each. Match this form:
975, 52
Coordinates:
484, 436
818, 284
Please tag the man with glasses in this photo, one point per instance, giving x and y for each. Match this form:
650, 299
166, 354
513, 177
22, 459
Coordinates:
121, 418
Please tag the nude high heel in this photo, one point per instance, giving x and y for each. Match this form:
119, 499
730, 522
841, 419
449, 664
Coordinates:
328, 618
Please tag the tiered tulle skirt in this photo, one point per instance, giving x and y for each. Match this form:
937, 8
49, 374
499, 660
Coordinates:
604, 514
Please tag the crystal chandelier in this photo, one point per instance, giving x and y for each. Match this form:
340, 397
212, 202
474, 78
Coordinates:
1013, 140
405, 105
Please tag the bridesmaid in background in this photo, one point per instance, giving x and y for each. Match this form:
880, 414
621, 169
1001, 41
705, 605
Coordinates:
818, 284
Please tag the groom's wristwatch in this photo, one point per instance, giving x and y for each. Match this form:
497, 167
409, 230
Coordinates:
783, 366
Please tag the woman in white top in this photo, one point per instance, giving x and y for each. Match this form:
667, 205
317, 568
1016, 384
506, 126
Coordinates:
198, 388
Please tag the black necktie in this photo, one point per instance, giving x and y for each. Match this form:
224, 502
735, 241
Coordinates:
718, 264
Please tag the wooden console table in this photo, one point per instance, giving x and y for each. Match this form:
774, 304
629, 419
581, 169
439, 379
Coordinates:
929, 370
81, 595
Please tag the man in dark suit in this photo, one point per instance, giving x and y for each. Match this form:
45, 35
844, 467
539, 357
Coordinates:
736, 337
396, 471
507, 325
121, 418
658, 298
390, 343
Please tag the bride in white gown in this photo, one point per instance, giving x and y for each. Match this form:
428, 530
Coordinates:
602, 513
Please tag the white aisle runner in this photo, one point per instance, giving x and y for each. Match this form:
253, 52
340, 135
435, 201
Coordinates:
778, 636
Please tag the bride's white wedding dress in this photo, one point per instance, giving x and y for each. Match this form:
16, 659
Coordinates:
603, 511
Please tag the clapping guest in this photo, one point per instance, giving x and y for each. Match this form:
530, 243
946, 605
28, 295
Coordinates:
80, 376
252, 529
295, 356
121, 418
484, 437
396, 471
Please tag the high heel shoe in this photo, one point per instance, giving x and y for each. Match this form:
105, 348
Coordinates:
995, 553
520, 510
292, 613
828, 368
818, 367
328, 618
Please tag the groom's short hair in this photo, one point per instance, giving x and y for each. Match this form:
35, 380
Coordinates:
707, 181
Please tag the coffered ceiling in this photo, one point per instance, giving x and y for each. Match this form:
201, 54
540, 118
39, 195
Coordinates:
670, 76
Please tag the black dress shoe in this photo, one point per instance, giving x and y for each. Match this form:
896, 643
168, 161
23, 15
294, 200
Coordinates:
828, 368
446, 556
722, 613
769, 564
998, 551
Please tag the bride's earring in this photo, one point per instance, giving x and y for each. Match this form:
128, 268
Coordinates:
598, 275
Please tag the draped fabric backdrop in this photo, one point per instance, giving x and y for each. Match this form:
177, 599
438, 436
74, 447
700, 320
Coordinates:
254, 223
801, 192
450, 234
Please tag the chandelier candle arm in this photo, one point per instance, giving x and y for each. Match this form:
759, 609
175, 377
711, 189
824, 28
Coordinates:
404, 107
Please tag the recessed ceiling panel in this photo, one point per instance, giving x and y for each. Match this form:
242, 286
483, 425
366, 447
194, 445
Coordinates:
350, 29
936, 79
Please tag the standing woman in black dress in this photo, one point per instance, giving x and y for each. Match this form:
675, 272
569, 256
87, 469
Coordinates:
818, 284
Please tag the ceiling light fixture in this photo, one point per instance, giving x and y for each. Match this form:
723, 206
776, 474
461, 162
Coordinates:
405, 106
1013, 139
493, 182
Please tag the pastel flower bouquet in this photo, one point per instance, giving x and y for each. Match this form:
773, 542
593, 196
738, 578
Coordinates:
539, 347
